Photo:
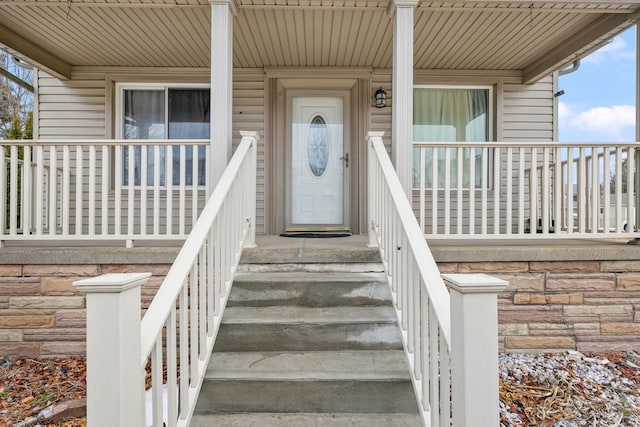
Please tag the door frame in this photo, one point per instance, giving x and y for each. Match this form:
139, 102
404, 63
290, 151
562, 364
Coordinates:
346, 180
280, 81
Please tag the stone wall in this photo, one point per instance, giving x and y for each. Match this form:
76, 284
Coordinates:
589, 306
584, 297
42, 314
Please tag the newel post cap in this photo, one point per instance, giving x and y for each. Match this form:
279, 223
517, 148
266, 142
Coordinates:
474, 283
111, 283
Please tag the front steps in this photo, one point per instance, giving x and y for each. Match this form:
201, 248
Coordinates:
304, 343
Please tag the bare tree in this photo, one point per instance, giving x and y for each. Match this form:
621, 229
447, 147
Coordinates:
16, 100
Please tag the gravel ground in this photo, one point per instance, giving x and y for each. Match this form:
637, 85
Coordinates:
559, 390
570, 390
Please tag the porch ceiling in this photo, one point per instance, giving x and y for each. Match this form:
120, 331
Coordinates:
531, 36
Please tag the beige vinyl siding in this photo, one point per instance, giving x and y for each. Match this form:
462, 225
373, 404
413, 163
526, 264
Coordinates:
248, 115
528, 111
73, 109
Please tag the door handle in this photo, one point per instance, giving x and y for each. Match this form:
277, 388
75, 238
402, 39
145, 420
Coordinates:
345, 159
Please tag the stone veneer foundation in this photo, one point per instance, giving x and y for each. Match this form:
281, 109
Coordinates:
582, 297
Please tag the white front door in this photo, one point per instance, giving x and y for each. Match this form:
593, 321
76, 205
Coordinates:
319, 164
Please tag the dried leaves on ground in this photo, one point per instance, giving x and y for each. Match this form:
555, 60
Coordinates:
29, 386
559, 390
570, 390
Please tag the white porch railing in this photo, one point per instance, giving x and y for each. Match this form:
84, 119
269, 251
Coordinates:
181, 324
450, 340
525, 190
102, 189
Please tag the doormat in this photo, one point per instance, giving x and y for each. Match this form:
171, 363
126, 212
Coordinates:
316, 234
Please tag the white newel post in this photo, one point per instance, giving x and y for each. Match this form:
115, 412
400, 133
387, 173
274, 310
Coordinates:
402, 96
115, 381
474, 348
222, 13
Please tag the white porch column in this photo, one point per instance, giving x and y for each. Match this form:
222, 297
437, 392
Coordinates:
401, 12
222, 13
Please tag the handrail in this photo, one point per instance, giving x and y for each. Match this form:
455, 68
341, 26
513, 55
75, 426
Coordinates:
450, 339
421, 299
426, 264
196, 288
100, 142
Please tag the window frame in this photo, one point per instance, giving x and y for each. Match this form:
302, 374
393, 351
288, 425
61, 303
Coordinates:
119, 121
491, 112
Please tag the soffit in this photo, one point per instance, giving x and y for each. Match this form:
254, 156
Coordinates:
475, 35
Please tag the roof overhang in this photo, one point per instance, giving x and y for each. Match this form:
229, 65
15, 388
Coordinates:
532, 37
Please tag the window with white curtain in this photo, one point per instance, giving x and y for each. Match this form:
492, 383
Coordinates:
165, 112
450, 114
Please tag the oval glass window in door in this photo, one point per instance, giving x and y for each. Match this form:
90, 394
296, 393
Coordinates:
318, 146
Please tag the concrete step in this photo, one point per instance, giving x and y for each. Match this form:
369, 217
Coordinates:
293, 328
324, 365
306, 420
355, 267
299, 252
350, 382
311, 289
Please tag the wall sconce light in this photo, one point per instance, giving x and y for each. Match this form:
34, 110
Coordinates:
381, 98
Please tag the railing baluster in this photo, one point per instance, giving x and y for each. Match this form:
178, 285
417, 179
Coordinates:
606, 187
53, 181
533, 192
131, 191
618, 188
13, 191
105, 177
118, 175
497, 169
157, 167
521, 190
182, 186
194, 185
27, 193
79, 207
144, 183
509, 178
184, 350
447, 191
435, 185
545, 191
92, 190
570, 193
485, 186
595, 190
582, 188
66, 188
172, 366
156, 381
557, 191
422, 151
169, 183
631, 190
3, 191
472, 190
459, 189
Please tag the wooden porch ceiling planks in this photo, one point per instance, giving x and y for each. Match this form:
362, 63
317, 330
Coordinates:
532, 36
35, 54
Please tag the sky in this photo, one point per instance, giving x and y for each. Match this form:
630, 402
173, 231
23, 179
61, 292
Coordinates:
599, 99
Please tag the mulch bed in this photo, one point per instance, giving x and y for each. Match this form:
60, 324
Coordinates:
559, 390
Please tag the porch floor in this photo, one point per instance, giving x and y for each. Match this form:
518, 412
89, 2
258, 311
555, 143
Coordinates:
455, 250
